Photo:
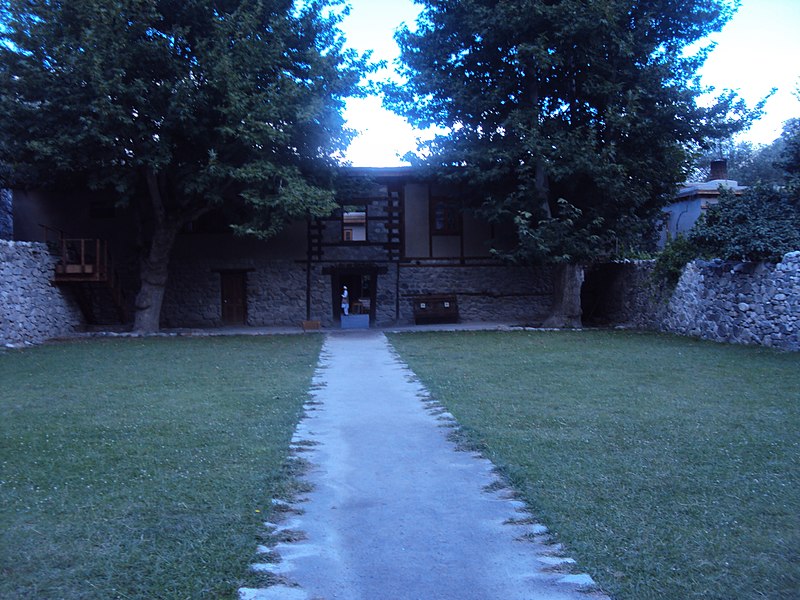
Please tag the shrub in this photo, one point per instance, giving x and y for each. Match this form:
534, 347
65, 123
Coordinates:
762, 224
671, 261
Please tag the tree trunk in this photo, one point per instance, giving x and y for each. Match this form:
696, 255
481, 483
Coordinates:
154, 271
566, 309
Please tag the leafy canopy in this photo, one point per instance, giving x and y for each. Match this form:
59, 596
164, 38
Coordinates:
750, 164
181, 105
572, 118
762, 224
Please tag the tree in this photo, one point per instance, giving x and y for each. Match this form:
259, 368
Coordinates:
178, 107
763, 223
789, 159
572, 118
748, 164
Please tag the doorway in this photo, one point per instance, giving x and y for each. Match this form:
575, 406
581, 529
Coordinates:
233, 288
361, 286
603, 294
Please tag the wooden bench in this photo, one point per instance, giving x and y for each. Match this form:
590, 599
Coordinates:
435, 308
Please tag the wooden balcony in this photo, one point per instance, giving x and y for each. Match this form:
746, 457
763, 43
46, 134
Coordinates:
84, 266
82, 260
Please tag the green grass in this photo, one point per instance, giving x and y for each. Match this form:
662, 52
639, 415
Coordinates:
144, 468
670, 468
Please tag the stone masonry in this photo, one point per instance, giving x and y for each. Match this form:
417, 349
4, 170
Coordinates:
275, 293
499, 293
747, 303
31, 309
6, 216
727, 302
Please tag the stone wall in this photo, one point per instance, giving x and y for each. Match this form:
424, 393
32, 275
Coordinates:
624, 294
6, 216
747, 303
744, 303
492, 293
276, 293
721, 301
31, 309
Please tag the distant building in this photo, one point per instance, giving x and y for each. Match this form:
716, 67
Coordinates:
692, 200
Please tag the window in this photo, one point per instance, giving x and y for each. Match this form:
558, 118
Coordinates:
445, 217
354, 225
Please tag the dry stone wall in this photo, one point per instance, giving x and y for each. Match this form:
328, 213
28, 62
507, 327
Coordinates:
744, 303
31, 309
276, 292
721, 301
6, 218
747, 303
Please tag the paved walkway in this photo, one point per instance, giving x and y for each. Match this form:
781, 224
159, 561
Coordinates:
396, 512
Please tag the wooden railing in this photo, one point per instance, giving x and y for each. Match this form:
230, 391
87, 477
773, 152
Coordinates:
83, 260
79, 259
52, 237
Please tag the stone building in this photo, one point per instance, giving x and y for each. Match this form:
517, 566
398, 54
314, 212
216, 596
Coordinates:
692, 200
407, 248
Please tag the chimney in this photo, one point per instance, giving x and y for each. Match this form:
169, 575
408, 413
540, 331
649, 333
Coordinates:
719, 170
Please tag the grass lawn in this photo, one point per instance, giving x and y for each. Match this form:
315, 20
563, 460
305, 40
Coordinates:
669, 467
143, 468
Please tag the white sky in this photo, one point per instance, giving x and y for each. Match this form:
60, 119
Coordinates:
759, 49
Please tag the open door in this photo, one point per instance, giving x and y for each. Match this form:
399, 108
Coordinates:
361, 292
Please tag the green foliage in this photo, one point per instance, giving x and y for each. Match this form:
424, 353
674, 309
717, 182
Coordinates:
189, 104
749, 164
762, 224
592, 103
178, 107
561, 238
790, 153
673, 258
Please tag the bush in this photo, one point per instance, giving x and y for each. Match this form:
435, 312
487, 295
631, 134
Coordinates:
671, 261
762, 224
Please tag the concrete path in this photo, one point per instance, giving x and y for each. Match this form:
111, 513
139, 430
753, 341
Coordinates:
396, 512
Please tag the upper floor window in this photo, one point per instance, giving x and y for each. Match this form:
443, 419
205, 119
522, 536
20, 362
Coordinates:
445, 217
354, 225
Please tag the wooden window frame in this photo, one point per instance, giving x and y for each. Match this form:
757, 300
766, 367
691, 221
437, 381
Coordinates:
347, 229
452, 218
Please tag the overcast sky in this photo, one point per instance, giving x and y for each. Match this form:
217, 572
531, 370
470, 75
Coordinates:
759, 49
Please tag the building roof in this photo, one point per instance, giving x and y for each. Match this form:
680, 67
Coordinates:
707, 188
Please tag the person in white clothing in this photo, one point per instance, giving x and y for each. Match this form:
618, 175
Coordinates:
345, 301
